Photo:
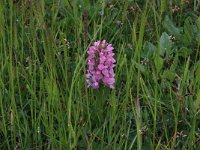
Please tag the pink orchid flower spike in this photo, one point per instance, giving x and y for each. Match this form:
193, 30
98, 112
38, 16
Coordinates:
101, 65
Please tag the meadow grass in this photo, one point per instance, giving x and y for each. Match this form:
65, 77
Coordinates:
44, 99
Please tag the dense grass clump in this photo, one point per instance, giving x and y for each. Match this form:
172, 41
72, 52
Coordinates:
44, 99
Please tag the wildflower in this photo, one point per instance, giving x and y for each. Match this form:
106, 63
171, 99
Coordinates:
100, 65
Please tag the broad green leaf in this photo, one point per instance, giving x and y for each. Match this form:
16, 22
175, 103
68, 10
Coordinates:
165, 44
158, 63
148, 50
188, 32
184, 52
175, 63
171, 28
170, 75
141, 67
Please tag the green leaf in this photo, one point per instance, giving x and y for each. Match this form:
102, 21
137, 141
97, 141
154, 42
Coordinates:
171, 28
163, 6
188, 32
197, 102
197, 73
170, 75
141, 67
198, 26
165, 44
184, 52
175, 63
198, 23
148, 50
158, 63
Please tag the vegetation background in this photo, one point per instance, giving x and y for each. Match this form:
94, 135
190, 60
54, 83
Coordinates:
44, 99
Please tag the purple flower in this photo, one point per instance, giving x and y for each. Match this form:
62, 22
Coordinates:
100, 65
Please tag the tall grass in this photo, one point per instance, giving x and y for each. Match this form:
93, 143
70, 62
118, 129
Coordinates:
45, 102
